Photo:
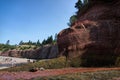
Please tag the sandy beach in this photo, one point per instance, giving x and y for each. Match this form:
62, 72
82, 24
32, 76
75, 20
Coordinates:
6, 62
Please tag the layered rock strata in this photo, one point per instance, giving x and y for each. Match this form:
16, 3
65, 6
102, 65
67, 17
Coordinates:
95, 37
46, 52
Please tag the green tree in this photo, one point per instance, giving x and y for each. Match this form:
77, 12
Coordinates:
34, 43
38, 43
72, 20
55, 39
85, 2
29, 43
8, 42
79, 4
49, 40
21, 43
44, 42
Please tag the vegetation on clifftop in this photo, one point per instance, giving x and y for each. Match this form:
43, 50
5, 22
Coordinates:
27, 45
79, 5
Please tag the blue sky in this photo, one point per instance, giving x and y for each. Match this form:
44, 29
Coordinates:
33, 19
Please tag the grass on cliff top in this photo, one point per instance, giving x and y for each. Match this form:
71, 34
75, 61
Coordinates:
99, 75
47, 64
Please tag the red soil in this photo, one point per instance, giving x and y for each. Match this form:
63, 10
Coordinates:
49, 72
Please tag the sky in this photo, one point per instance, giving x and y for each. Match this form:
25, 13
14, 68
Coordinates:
33, 19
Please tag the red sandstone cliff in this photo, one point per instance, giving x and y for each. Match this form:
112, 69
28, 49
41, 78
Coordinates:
95, 36
46, 52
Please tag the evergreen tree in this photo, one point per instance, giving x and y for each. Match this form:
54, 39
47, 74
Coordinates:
85, 2
38, 43
72, 20
49, 40
8, 42
55, 39
44, 42
34, 43
79, 5
21, 43
29, 43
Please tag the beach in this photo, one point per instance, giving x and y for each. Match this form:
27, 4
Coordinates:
6, 62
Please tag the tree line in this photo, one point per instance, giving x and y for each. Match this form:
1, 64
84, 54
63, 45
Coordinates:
49, 40
28, 45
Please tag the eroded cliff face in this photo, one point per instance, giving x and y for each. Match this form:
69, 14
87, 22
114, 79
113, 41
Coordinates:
95, 37
46, 52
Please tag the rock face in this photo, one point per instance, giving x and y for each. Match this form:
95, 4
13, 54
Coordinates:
46, 52
95, 37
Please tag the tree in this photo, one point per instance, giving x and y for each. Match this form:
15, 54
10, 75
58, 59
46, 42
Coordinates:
55, 39
49, 40
29, 43
72, 20
85, 2
21, 43
38, 43
44, 42
8, 42
79, 4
